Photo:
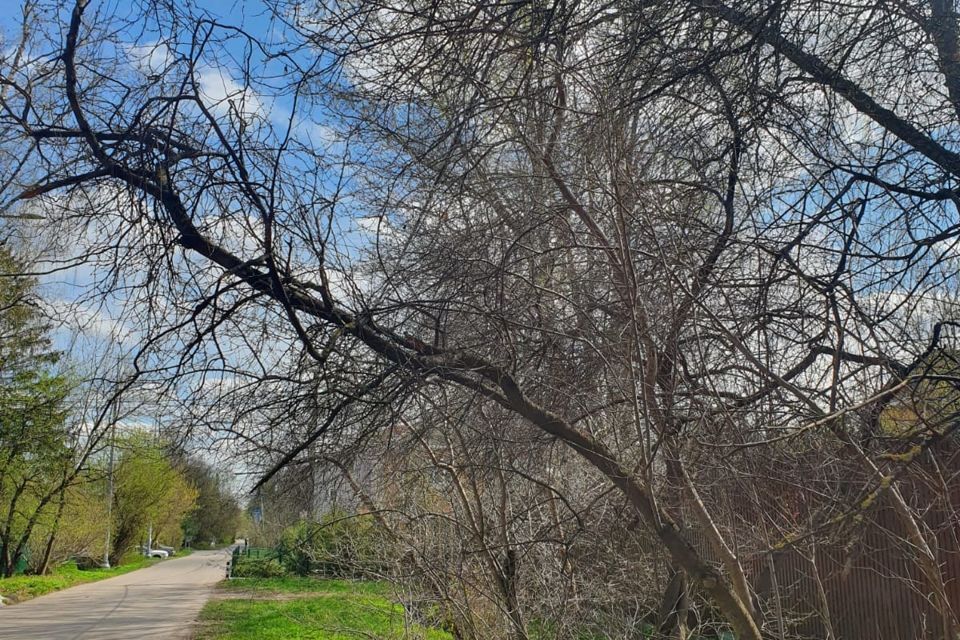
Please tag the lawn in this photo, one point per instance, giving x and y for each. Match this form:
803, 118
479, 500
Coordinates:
306, 609
20, 588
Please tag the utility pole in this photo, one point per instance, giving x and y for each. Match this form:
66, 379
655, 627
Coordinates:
113, 437
156, 440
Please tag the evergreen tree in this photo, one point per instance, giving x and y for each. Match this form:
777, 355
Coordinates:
35, 452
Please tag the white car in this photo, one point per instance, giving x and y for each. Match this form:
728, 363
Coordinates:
155, 553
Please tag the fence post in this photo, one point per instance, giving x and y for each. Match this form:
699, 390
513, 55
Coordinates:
233, 556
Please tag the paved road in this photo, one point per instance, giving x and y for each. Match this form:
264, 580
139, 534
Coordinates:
160, 602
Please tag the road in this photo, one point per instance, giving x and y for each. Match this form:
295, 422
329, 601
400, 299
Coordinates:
160, 602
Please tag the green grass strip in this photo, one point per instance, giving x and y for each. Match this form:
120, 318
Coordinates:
308, 609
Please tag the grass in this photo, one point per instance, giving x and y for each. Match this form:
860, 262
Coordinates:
20, 588
266, 586
307, 609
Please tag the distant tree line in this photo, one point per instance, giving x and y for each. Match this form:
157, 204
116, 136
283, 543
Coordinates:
54, 470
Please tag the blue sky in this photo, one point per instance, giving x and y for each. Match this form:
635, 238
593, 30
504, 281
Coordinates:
102, 318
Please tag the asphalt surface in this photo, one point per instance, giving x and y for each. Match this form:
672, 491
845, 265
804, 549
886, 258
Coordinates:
160, 602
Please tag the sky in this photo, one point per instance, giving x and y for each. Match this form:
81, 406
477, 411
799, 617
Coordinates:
267, 100
99, 329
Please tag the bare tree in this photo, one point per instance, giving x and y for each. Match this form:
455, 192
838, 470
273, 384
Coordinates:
685, 240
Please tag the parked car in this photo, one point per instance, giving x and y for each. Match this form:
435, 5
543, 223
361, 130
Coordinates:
154, 553
170, 550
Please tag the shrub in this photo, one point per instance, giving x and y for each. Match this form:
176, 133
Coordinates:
338, 546
258, 568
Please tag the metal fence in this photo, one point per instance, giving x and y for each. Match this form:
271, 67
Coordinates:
244, 553
868, 586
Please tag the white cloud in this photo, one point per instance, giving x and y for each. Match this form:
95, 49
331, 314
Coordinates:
321, 134
375, 226
225, 97
90, 321
151, 58
239, 233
